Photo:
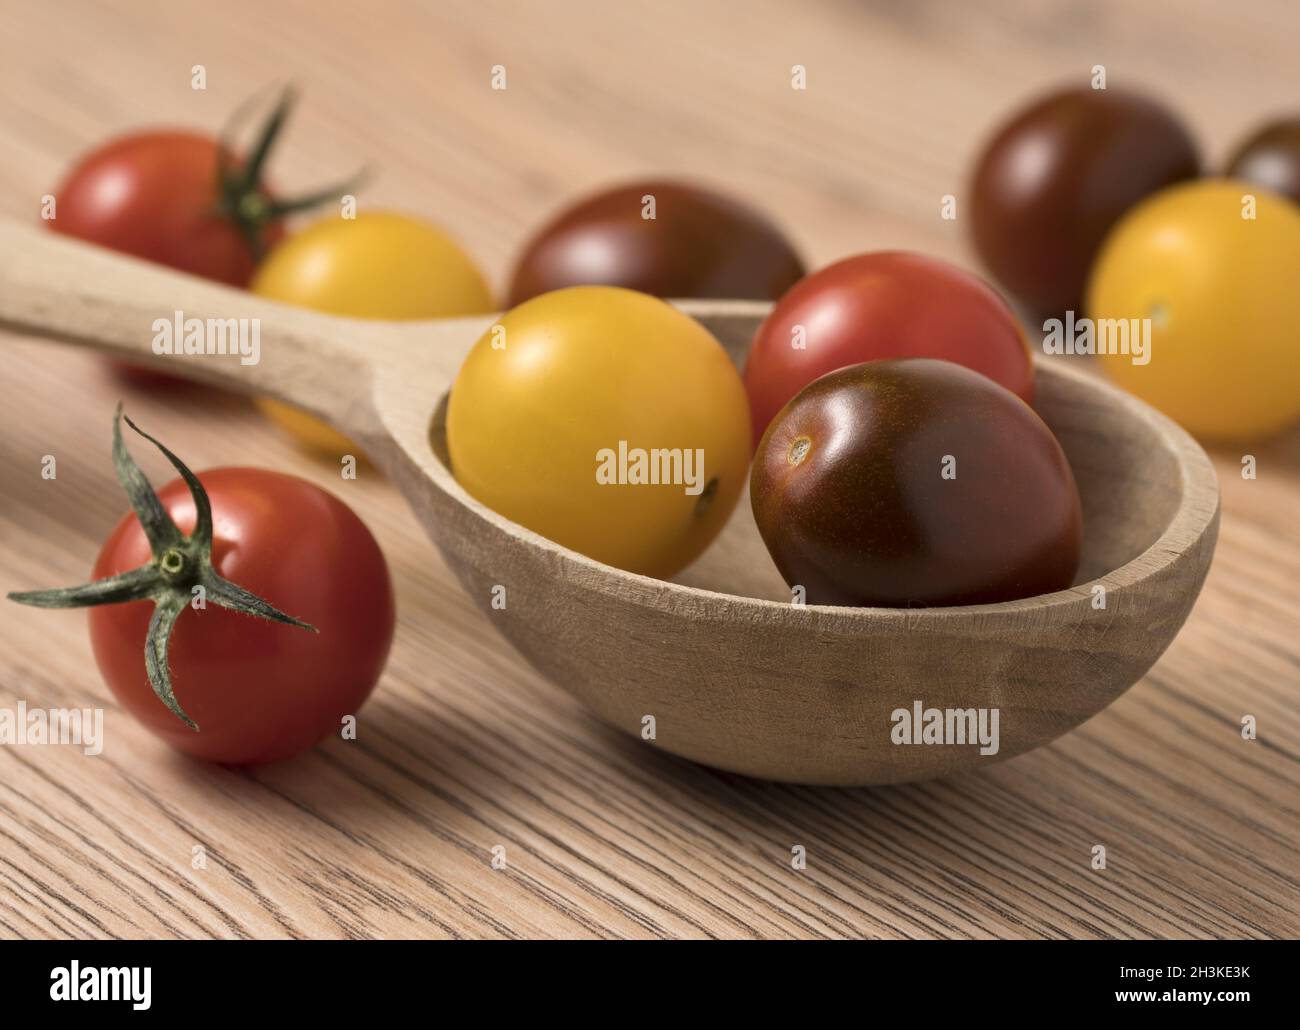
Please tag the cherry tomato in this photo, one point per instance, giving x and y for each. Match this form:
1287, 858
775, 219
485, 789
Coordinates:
894, 483
558, 428
885, 305
377, 265
1220, 292
310, 432
155, 195
260, 691
1271, 157
1054, 180
697, 244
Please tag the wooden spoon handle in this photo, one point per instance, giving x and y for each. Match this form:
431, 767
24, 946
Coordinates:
70, 291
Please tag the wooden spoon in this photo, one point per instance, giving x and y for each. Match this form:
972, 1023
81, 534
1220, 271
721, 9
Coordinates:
733, 674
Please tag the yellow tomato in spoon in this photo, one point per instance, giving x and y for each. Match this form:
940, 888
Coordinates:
605, 420
377, 265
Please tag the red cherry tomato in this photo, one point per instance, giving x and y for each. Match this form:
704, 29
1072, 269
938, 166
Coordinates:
155, 195
890, 304
260, 691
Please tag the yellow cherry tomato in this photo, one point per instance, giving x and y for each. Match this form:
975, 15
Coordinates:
308, 430
377, 265
1221, 294
605, 420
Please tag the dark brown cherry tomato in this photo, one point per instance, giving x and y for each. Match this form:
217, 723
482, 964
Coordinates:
886, 305
699, 244
1052, 182
1271, 158
915, 482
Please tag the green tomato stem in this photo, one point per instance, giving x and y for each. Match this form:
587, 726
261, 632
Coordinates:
243, 199
180, 564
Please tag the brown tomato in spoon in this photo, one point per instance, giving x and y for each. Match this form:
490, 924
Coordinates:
915, 482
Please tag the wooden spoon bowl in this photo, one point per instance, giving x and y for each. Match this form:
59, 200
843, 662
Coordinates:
733, 674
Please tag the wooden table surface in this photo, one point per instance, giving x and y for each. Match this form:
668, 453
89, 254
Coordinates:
462, 747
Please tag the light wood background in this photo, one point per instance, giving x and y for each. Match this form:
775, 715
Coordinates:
462, 747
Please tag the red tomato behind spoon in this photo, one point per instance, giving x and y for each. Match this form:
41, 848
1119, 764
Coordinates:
156, 195
890, 304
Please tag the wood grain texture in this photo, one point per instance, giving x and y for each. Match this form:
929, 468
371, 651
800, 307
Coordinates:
463, 748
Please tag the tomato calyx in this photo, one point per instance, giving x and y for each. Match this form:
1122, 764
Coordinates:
179, 574
241, 196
